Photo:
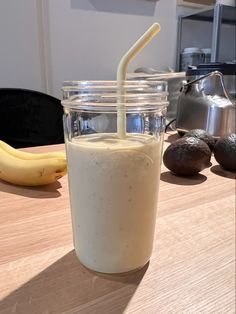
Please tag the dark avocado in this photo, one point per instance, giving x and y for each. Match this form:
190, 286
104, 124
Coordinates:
225, 152
202, 135
187, 156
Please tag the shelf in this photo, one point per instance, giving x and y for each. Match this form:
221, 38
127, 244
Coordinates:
228, 15
218, 14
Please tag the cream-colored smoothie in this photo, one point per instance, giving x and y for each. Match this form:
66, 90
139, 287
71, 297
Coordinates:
113, 192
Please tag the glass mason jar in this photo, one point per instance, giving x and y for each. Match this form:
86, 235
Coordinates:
113, 181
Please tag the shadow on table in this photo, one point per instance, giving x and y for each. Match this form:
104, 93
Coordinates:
218, 170
188, 180
44, 191
67, 285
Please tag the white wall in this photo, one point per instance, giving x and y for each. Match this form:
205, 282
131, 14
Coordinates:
44, 42
20, 58
89, 37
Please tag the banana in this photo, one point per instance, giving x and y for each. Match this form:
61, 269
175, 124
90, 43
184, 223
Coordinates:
31, 172
26, 155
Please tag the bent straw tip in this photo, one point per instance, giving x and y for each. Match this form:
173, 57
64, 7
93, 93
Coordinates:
156, 26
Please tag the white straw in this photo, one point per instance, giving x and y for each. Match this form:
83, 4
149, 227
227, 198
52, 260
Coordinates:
121, 75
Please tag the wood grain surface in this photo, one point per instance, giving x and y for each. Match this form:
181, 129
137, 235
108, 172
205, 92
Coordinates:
191, 270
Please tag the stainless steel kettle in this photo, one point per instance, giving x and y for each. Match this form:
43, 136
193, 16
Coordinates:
204, 103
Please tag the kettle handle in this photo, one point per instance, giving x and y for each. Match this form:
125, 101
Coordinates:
214, 73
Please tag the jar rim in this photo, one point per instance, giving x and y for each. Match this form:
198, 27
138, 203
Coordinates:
111, 108
104, 95
111, 83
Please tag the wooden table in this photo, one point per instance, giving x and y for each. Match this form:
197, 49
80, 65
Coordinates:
191, 269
